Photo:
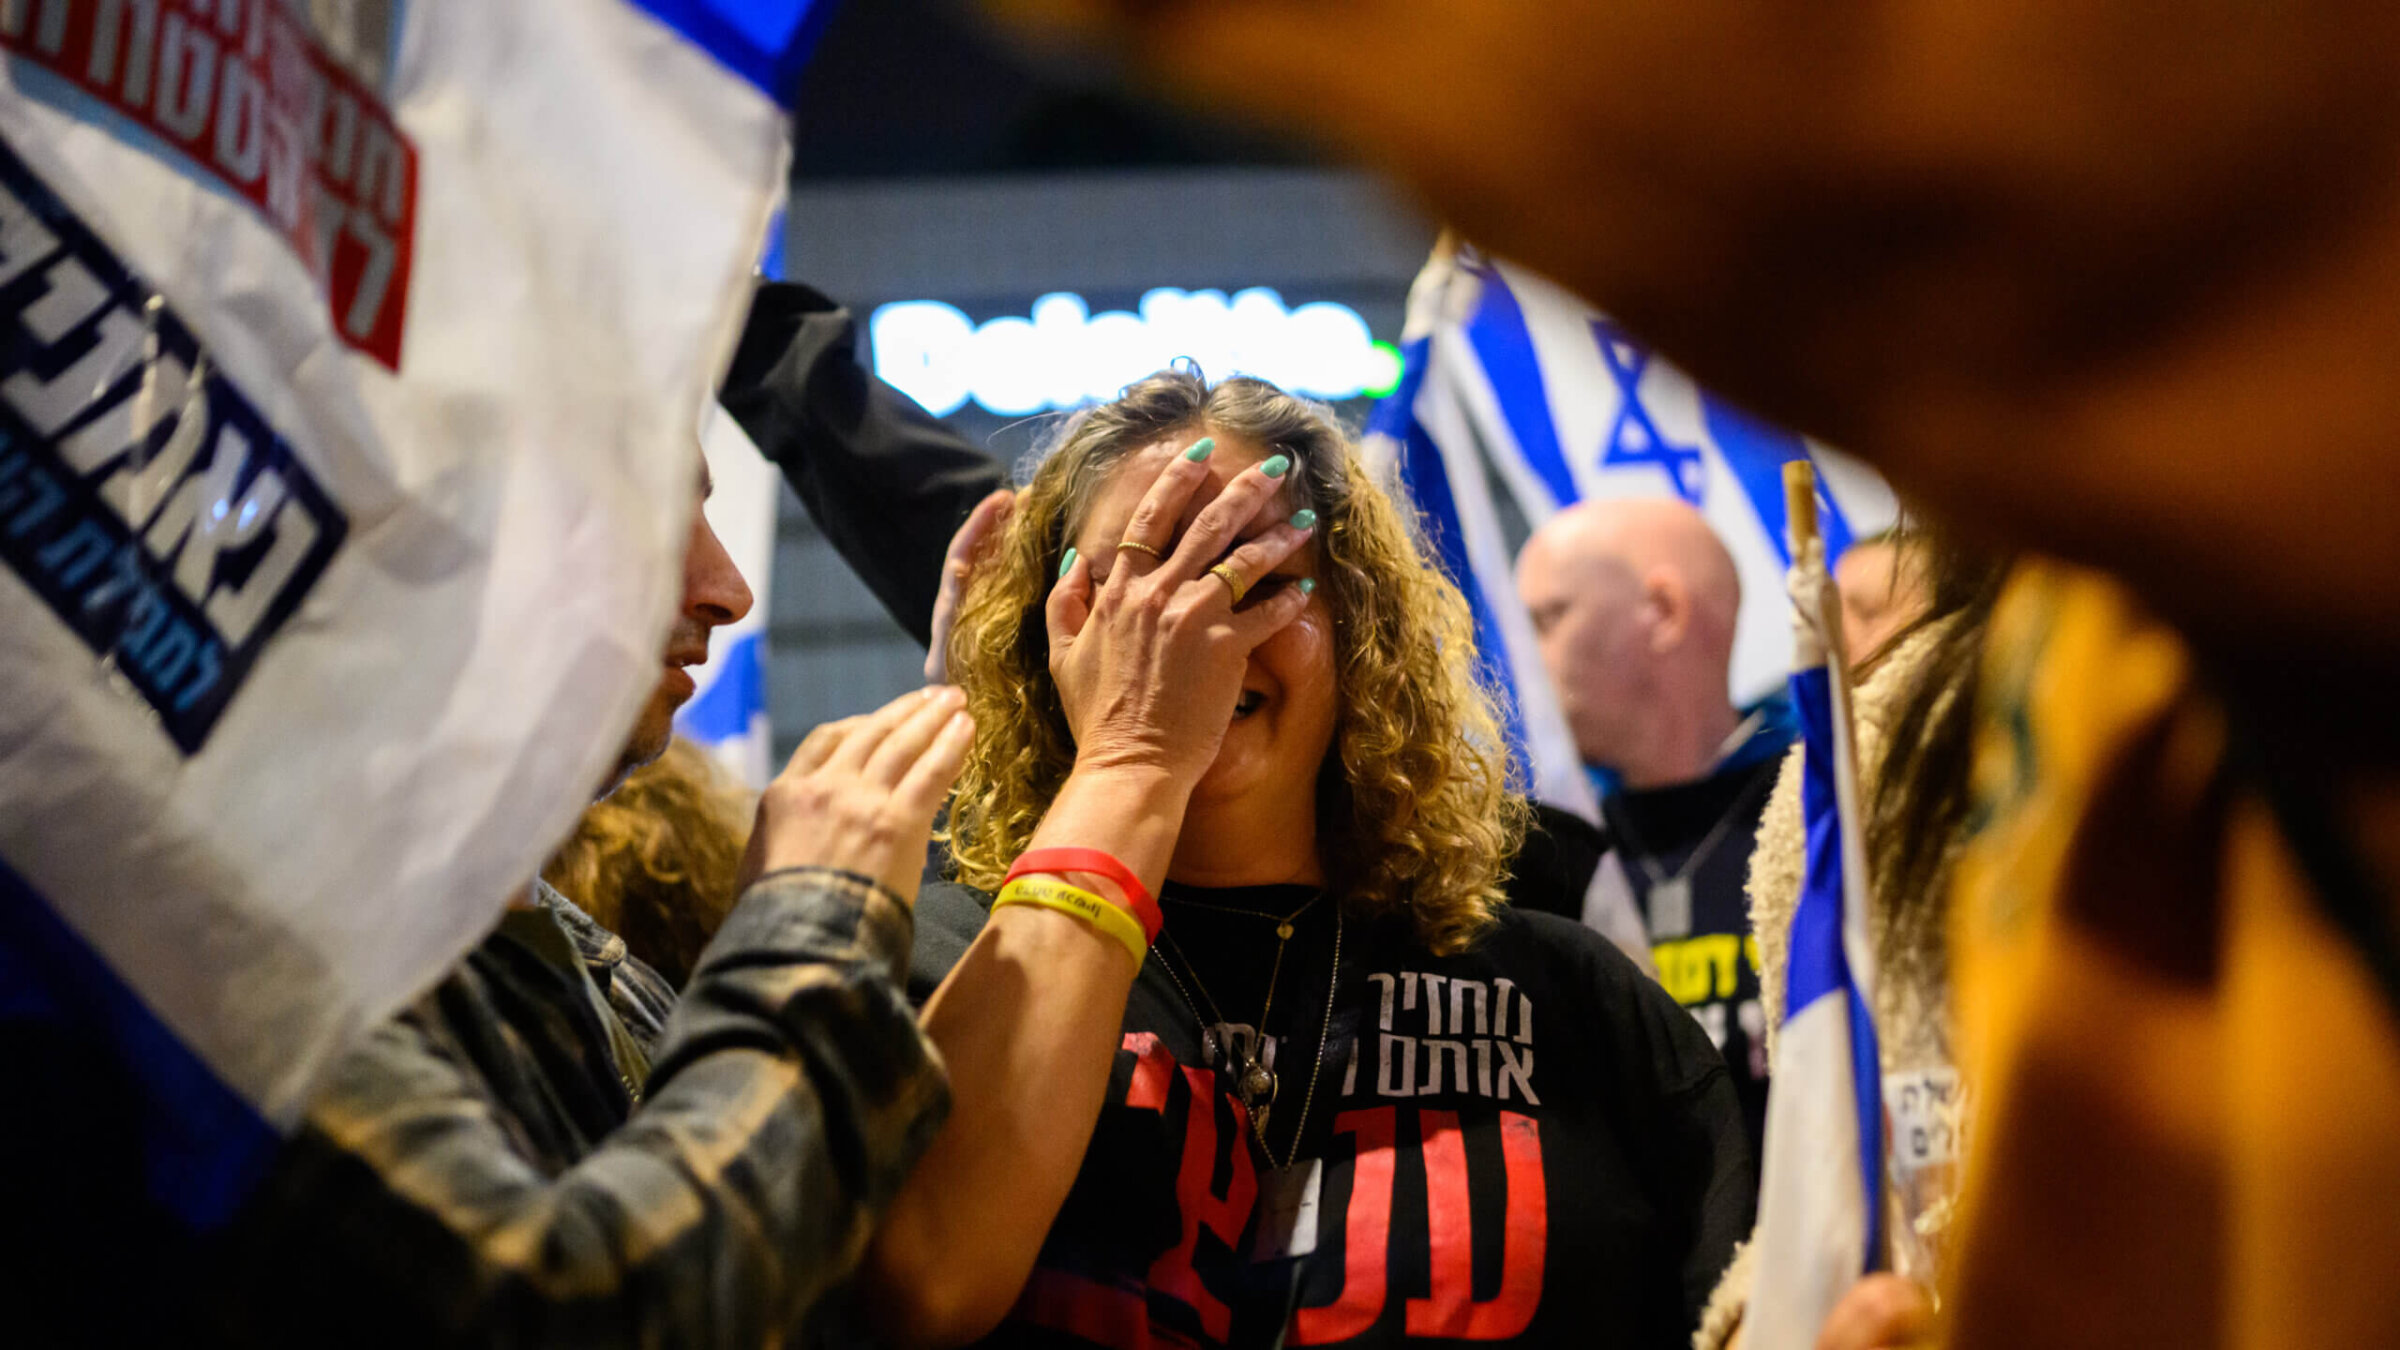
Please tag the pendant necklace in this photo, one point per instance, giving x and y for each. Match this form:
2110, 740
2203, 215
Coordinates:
1253, 1081
1669, 897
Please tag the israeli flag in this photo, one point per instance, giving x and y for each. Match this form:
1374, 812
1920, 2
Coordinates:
1516, 399
350, 359
727, 714
1821, 1199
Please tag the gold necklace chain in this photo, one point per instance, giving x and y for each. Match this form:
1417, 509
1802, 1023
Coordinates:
1244, 1085
1283, 938
1186, 902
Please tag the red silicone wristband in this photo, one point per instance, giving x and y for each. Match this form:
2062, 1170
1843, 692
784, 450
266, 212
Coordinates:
1099, 864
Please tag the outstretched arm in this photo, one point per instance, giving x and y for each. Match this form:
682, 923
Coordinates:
791, 1095
885, 481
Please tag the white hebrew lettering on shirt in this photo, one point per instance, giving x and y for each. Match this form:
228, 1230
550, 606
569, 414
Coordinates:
1447, 1035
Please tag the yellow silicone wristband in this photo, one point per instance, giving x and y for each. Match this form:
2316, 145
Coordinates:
1053, 894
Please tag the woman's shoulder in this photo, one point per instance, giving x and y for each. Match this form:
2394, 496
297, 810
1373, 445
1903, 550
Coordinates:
1531, 948
1601, 987
1554, 866
948, 916
1554, 935
952, 904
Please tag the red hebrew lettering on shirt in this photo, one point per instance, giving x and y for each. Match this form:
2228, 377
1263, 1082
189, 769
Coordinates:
1089, 1310
1367, 1235
1118, 1316
1451, 1310
1226, 1217
1153, 1069
246, 93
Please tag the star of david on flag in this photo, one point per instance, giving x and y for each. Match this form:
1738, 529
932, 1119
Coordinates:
1516, 400
1634, 437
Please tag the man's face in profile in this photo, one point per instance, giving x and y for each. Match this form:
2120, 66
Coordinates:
714, 594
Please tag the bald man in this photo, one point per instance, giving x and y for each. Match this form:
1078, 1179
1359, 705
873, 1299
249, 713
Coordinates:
1634, 601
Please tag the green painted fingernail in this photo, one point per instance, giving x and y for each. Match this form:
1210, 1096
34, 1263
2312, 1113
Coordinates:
1066, 563
1276, 467
1308, 585
1200, 449
1304, 519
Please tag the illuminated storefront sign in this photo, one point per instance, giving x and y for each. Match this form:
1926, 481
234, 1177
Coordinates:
1065, 355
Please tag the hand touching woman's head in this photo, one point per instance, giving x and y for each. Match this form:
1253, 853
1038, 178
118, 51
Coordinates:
1371, 700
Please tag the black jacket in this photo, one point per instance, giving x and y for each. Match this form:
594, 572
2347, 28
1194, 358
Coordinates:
885, 481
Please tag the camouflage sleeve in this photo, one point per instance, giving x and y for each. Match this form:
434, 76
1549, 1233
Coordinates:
791, 1095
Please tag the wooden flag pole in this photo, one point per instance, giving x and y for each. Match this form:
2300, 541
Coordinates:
1799, 502
1800, 509
1800, 516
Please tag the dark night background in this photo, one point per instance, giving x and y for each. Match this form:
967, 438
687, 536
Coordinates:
914, 88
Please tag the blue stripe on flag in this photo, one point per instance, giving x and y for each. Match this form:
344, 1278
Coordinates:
1504, 346
770, 261
1756, 451
1818, 965
200, 1147
1428, 483
763, 41
723, 710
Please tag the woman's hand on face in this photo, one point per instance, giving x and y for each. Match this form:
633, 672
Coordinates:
1149, 667
860, 794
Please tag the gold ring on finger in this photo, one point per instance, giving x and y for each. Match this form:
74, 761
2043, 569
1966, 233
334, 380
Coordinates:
1233, 580
1139, 547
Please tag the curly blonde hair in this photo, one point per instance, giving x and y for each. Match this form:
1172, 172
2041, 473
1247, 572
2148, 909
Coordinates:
654, 862
1416, 808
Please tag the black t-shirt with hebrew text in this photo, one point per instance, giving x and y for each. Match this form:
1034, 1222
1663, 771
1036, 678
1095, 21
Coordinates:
1527, 1142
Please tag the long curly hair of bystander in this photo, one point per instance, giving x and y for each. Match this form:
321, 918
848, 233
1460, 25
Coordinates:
654, 862
1417, 811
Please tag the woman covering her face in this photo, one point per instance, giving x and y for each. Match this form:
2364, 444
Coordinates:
1344, 1095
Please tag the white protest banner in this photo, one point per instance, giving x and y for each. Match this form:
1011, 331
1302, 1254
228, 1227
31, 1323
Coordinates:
350, 356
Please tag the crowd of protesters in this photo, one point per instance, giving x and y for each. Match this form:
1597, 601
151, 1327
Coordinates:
1183, 966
